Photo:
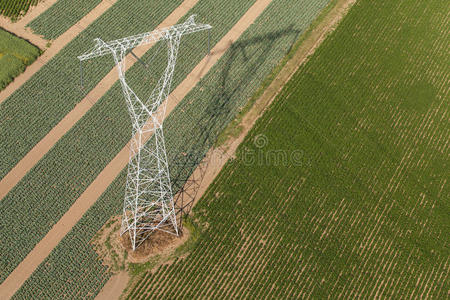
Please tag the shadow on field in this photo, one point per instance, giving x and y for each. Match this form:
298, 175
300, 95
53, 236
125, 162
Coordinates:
243, 57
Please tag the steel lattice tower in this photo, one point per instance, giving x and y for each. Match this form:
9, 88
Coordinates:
148, 203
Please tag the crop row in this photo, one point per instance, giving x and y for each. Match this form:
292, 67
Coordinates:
11, 44
61, 16
15, 8
75, 270
194, 125
362, 212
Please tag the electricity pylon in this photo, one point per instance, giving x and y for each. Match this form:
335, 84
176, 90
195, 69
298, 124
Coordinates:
148, 203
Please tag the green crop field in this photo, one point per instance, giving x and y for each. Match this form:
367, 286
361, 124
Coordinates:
47, 93
15, 8
15, 55
341, 188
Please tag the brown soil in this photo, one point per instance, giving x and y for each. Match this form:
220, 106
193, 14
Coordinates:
159, 243
116, 252
34, 12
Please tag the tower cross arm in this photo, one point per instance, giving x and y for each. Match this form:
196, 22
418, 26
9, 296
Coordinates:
103, 48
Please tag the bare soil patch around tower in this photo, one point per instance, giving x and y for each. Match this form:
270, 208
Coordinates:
116, 251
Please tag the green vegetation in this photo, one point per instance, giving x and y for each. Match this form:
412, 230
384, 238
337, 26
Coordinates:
362, 213
361, 208
15, 8
15, 55
74, 267
61, 16
192, 127
234, 128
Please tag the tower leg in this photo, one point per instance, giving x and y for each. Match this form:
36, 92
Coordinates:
148, 203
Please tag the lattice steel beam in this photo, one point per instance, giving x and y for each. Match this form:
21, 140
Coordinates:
148, 203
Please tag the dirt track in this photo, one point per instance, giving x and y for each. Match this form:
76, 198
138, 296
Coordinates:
114, 287
34, 12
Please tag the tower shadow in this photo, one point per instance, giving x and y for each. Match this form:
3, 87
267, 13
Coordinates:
189, 164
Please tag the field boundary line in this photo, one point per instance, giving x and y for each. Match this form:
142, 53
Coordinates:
57, 45
38, 254
23, 33
70, 119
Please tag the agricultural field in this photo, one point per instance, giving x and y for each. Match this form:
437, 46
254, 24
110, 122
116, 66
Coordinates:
15, 55
340, 190
82, 151
15, 8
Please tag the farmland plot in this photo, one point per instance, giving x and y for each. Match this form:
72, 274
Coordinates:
81, 154
15, 55
361, 209
31, 112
